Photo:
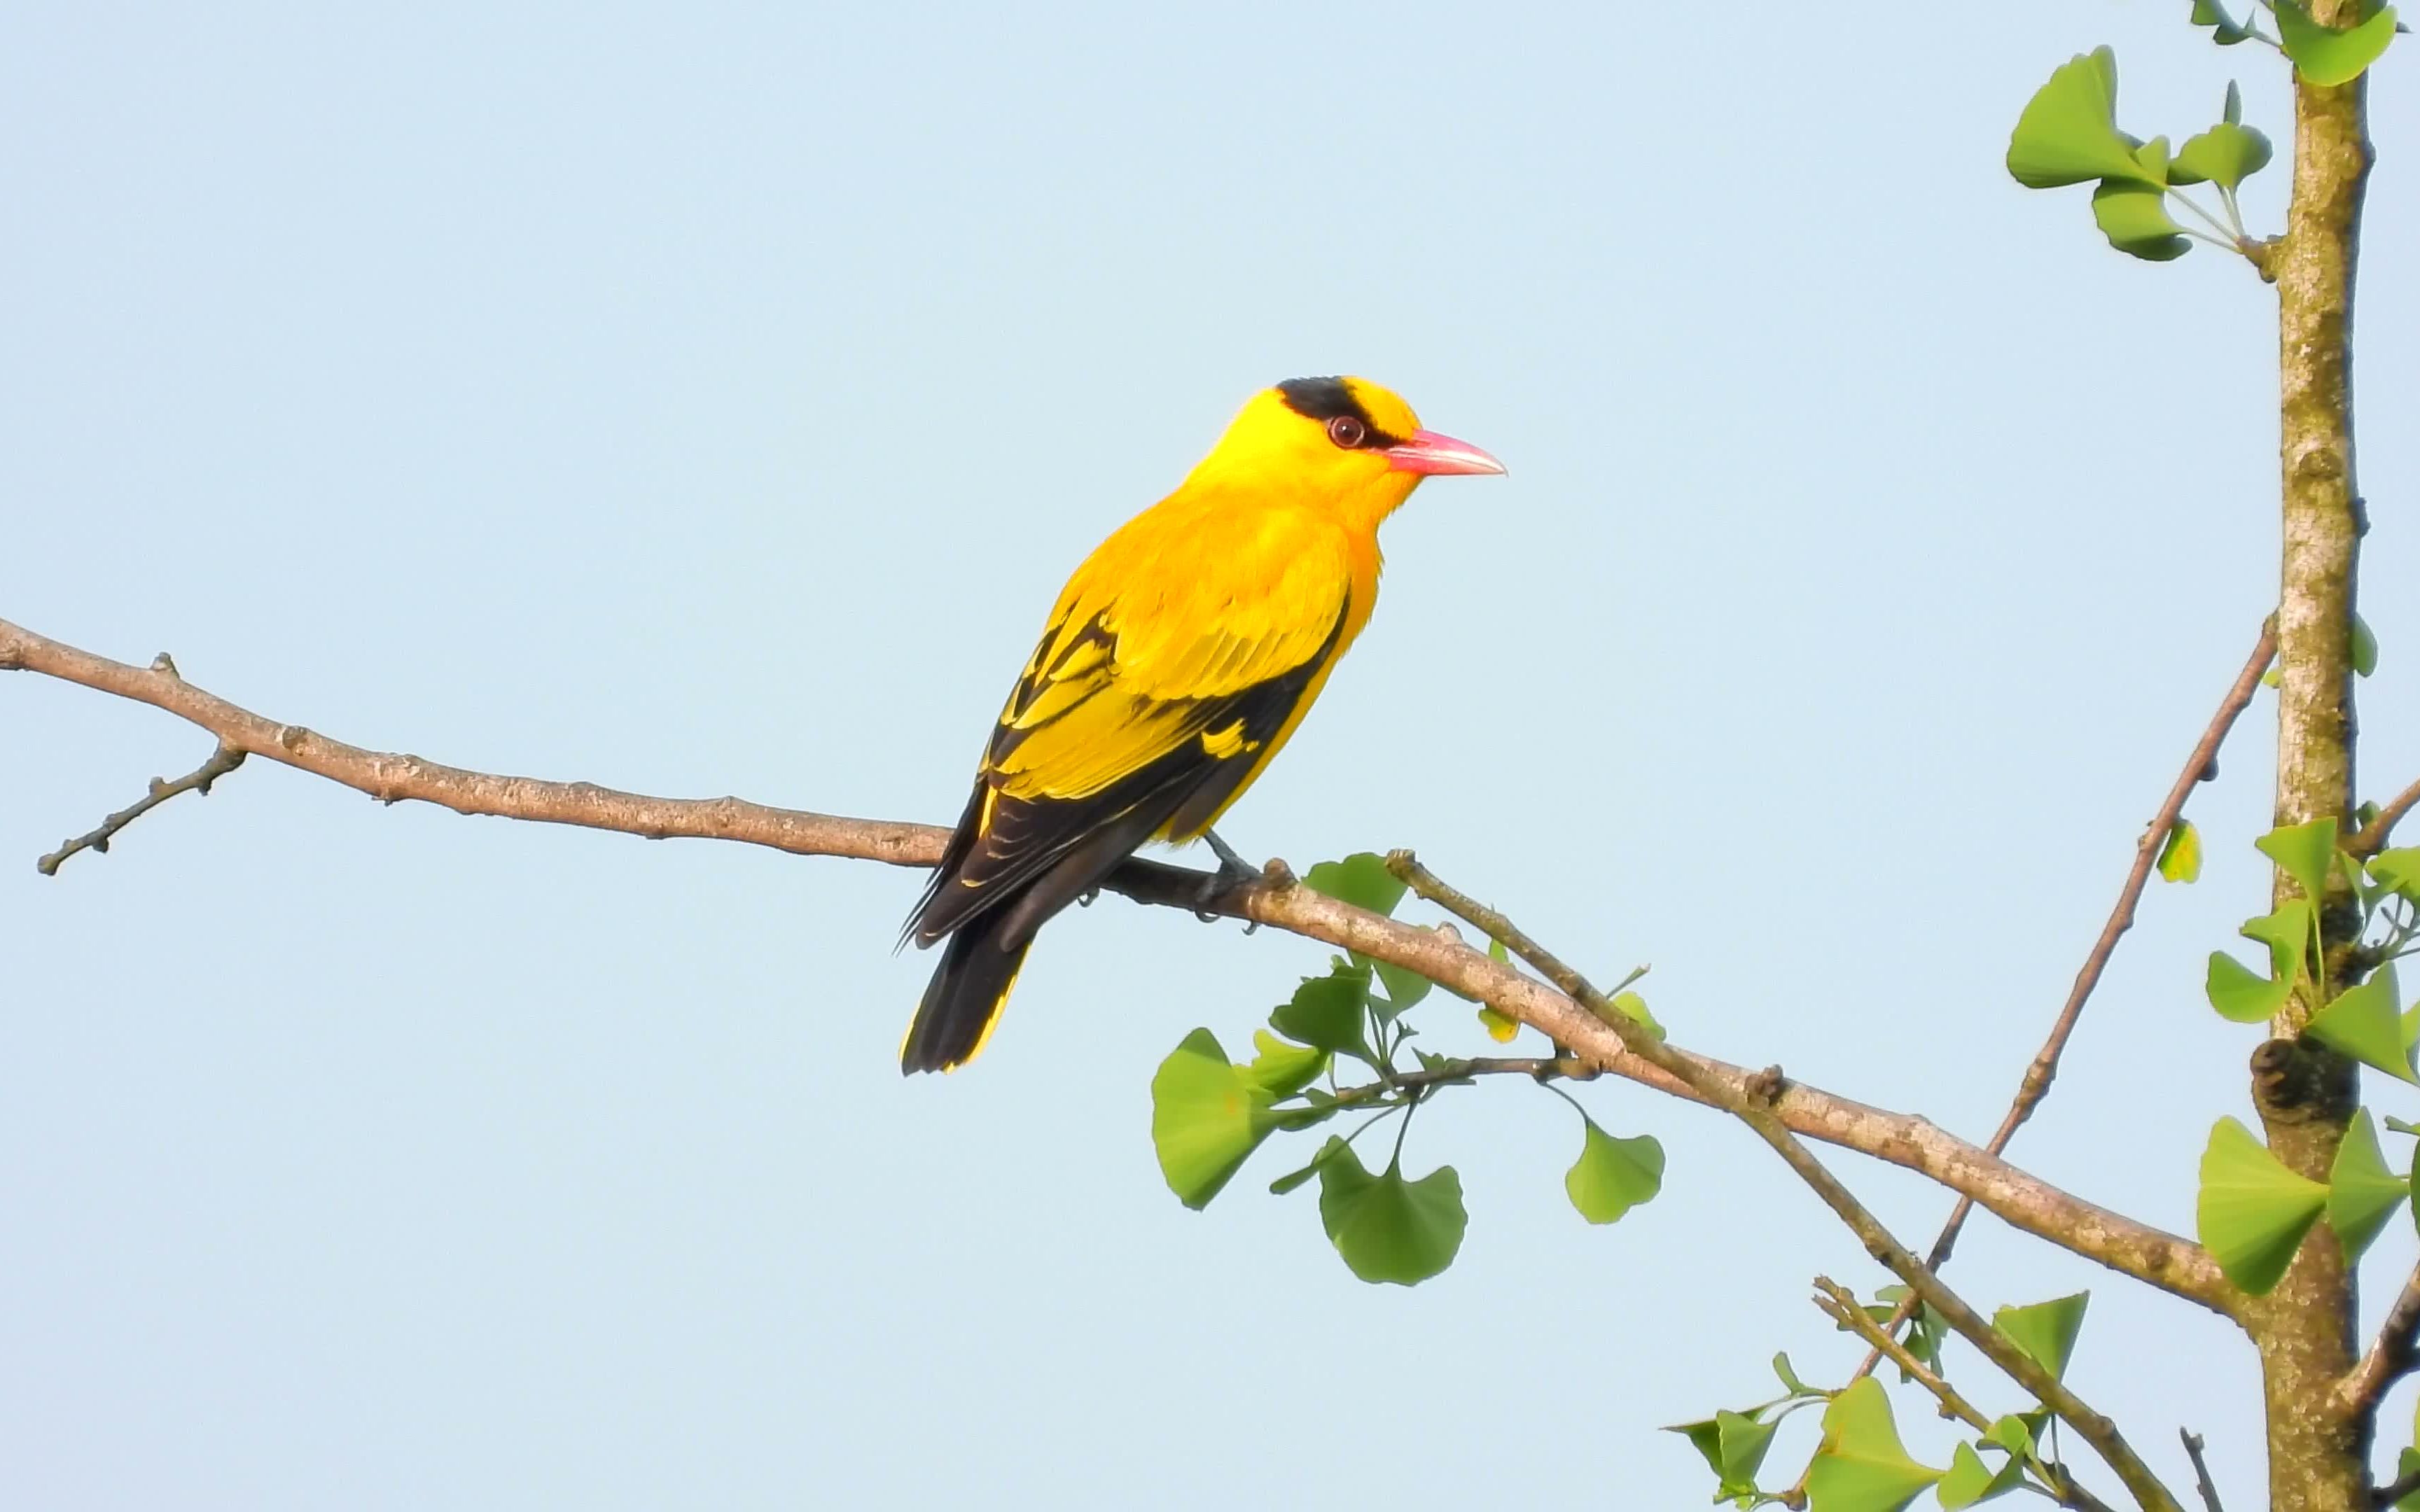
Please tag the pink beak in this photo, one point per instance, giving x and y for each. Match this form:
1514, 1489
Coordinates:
1430, 455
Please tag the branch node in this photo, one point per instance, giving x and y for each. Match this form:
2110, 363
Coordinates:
165, 665
2295, 1083
1765, 1088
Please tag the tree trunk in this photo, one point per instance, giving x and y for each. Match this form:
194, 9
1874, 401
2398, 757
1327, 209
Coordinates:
2304, 1328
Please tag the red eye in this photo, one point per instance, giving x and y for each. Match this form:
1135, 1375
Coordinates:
1347, 432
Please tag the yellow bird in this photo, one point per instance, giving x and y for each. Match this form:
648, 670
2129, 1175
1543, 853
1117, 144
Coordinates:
1177, 662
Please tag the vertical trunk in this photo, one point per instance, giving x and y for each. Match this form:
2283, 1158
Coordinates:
2304, 1329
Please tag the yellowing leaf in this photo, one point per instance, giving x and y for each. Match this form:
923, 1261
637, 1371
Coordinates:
2181, 855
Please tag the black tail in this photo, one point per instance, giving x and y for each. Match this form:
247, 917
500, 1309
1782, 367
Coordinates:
967, 991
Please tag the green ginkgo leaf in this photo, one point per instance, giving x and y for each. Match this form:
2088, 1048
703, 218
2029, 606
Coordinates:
1325, 1012
2227, 154
1860, 1466
2366, 1022
2303, 852
1971, 1481
1280, 1068
2047, 1330
2068, 133
2243, 995
1405, 988
1633, 1008
1613, 1175
2287, 932
2015, 1432
2225, 31
2362, 1191
2404, 1463
2134, 217
1386, 1227
1360, 879
1734, 1445
2251, 1212
2324, 55
1206, 1118
2397, 870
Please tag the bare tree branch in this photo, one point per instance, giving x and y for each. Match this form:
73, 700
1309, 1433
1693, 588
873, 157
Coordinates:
221, 761
2401, 1487
2023, 1200
2389, 1360
1753, 1101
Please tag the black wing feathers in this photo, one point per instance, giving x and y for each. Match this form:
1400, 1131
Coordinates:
1013, 862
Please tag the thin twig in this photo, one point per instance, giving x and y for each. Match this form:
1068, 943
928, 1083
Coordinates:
1536, 1068
2389, 1360
2200, 767
221, 761
2397, 1489
1841, 1305
1753, 1104
2373, 836
2026, 1202
2202, 1481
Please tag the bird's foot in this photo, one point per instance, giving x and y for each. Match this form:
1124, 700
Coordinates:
1234, 873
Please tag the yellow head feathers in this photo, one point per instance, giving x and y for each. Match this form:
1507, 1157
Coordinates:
1346, 442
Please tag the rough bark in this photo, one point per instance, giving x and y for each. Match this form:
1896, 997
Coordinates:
2304, 1328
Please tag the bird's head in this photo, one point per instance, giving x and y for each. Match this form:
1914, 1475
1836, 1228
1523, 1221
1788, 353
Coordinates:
1344, 441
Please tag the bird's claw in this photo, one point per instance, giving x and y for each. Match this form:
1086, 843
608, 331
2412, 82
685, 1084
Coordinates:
1234, 873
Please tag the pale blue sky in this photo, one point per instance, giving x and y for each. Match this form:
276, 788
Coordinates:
711, 399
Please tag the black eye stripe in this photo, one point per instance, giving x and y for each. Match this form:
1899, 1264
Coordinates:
1331, 398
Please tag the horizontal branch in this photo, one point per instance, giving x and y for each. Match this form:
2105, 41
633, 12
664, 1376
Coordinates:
2024, 1202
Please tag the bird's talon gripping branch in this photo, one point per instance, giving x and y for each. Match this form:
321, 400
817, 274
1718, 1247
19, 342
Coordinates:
1233, 871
